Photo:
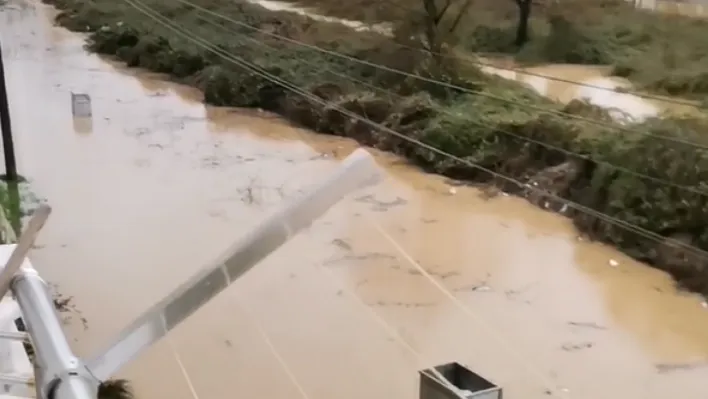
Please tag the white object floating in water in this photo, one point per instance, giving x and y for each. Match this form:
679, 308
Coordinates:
453, 190
704, 304
80, 105
614, 263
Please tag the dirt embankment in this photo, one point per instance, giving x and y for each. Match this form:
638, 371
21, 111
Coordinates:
495, 124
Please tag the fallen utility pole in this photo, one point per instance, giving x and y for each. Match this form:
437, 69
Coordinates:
60, 374
6, 127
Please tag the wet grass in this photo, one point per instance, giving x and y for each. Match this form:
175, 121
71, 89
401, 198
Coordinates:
499, 128
14, 200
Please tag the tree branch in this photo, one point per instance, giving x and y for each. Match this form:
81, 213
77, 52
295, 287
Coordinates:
440, 16
460, 14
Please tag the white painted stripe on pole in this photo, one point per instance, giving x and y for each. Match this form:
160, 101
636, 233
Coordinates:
356, 171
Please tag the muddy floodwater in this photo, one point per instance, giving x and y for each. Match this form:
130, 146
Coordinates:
402, 276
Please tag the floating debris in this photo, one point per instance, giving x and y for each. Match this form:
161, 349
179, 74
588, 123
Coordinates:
342, 244
576, 347
381, 205
591, 325
672, 367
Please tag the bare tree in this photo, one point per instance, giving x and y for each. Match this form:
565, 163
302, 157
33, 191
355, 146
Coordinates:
436, 23
522, 28
441, 21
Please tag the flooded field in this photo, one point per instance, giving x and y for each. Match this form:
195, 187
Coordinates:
412, 273
560, 82
592, 83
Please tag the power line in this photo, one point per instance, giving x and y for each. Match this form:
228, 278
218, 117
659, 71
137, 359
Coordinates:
276, 354
312, 97
468, 119
461, 306
444, 84
255, 69
491, 330
521, 71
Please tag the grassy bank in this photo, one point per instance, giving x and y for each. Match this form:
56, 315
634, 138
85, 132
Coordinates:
665, 54
497, 135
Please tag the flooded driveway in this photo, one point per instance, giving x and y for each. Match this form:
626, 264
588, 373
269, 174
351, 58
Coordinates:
412, 273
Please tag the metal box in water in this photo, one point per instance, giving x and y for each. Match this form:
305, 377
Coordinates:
471, 385
80, 105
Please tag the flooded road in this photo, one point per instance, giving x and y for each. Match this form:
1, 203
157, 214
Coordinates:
397, 278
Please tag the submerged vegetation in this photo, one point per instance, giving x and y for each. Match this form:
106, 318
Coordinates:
644, 174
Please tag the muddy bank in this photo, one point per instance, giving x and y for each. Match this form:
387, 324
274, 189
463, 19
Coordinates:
496, 135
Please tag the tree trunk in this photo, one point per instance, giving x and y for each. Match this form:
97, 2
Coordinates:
522, 29
432, 19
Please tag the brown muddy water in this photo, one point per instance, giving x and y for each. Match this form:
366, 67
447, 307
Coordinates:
592, 83
156, 185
